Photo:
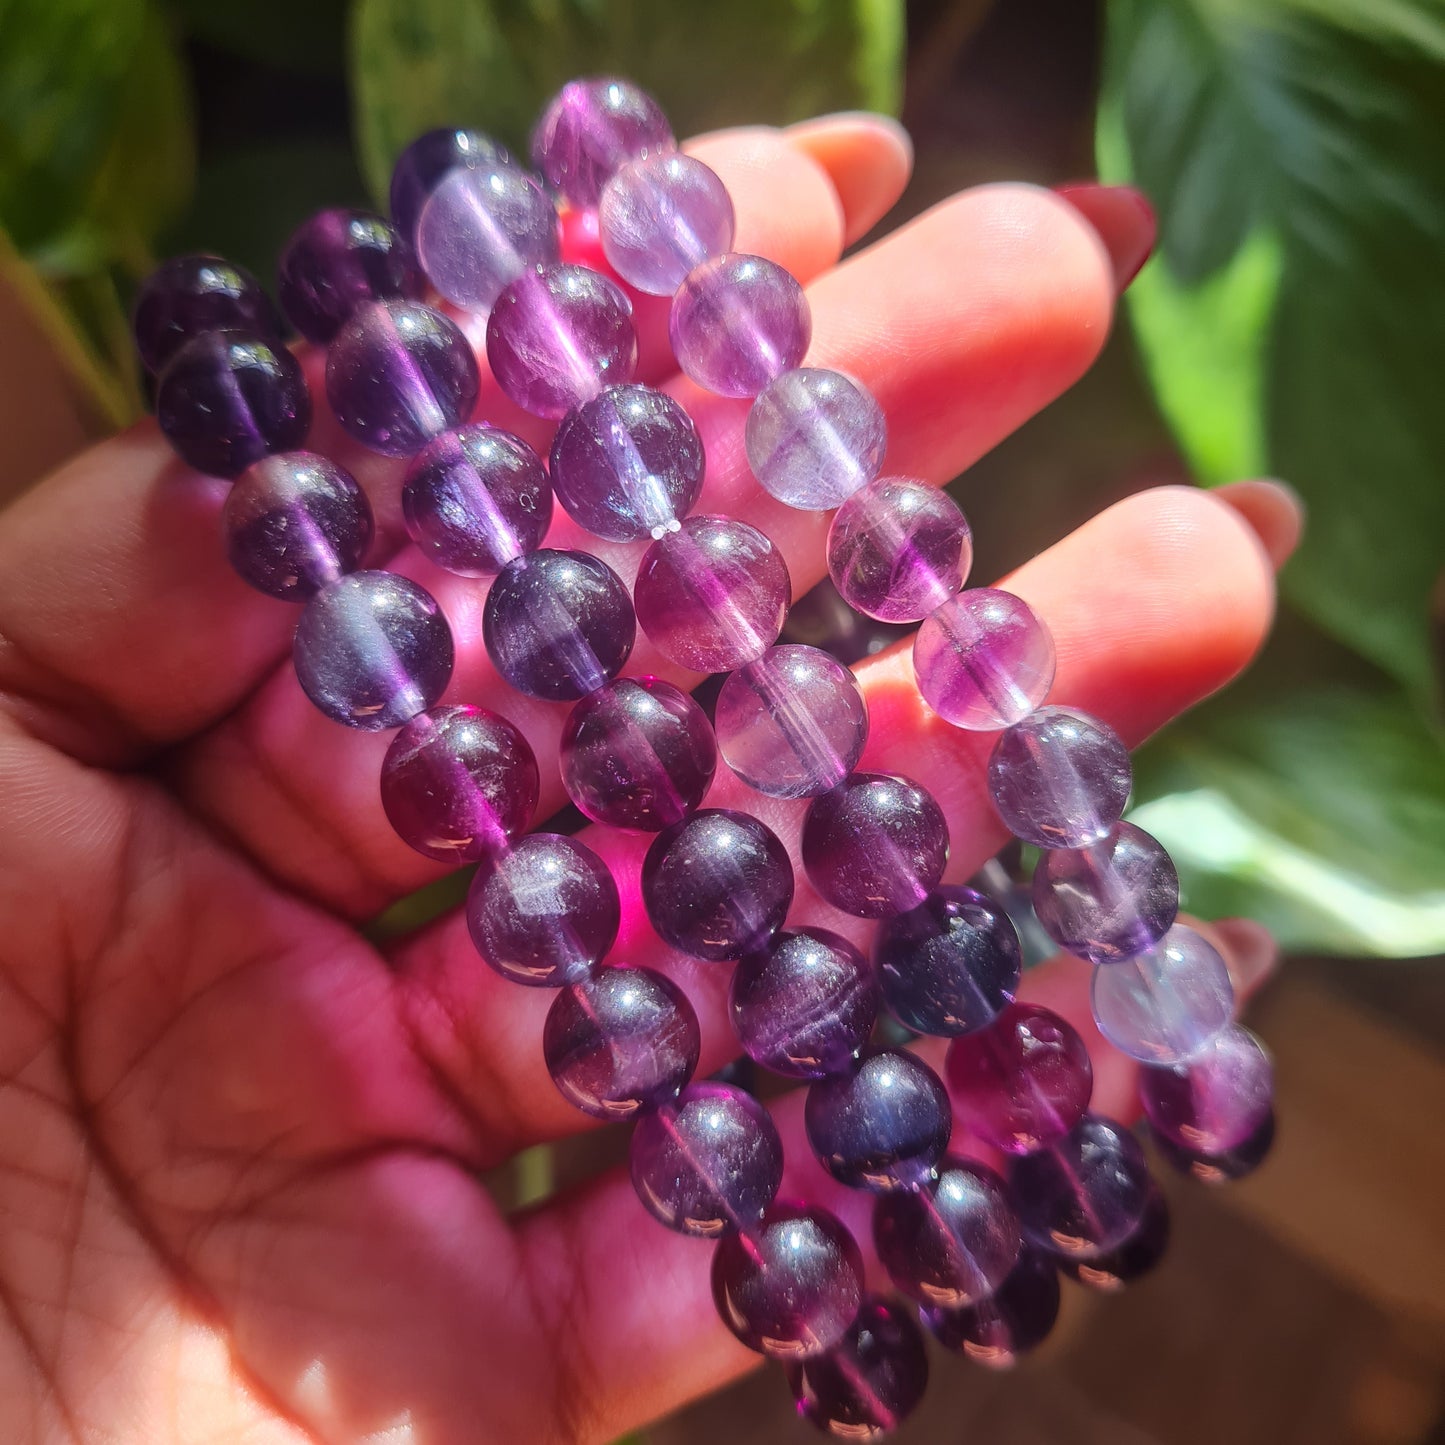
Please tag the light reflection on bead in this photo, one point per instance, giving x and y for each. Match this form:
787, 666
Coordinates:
429, 159
1013, 1320
1133, 1259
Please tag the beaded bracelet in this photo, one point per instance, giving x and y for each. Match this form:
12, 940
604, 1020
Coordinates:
977, 1252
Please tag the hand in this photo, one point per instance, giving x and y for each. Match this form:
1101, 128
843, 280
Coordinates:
239, 1147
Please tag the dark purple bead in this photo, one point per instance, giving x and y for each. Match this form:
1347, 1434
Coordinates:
876, 845
621, 1040
590, 129
637, 753
459, 784
226, 399
428, 159
708, 1163
792, 1287
294, 522
1015, 1319
948, 966
558, 624
1225, 1165
188, 295
1214, 1101
1132, 1259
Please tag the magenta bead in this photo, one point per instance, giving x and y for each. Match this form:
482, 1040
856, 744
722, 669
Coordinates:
475, 499
712, 595
294, 522
1137, 1256
737, 323
1015, 1319
459, 784
1023, 1082
558, 336
188, 295
637, 753
1216, 1100
591, 129
428, 160
340, 260
899, 549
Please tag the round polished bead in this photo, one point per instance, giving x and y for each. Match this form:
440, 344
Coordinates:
228, 398
792, 723
430, 158
637, 753
1226, 1165
627, 464
712, 595
952, 1243
1110, 900
558, 624
476, 498
294, 522
708, 1163
814, 438
718, 884
459, 784
1168, 1004
340, 260
558, 336
591, 129
660, 217
876, 845
899, 549
984, 660
398, 374
1015, 1319
1215, 1101
949, 965
792, 1287
738, 322
870, 1381
544, 912
1085, 1193
621, 1040
804, 1004
882, 1125
1023, 1082
1060, 778
1131, 1260
373, 650
187, 295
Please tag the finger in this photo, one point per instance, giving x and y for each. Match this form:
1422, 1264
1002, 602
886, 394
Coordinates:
869, 158
1124, 220
1275, 511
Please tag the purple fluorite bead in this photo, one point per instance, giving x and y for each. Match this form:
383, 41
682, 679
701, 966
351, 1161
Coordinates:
475, 499
558, 624
1132, 1259
544, 912
738, 322
637, 753
1013, 1320
660, 217
709, 1163
187, 295
621, 1040
627, 464
1226, 1165
713, 594
398, 374
459, 784
592, 128
429, 159
294, 522
1215, 1101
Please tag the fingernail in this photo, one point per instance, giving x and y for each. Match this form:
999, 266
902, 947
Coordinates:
1124, 220
1250, 951
1273, 509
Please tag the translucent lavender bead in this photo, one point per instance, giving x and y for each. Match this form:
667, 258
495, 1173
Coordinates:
591, 129
627, 464
373, 650
1215, 1101
660, 217
984, 660
294, 522
708, 1163
337, 261
1168, 1004
1110, 900
558, 624
792, 723
226, 399
637, 753
804, 1004
459, 784
949, 965
899, 549
621, 1040
398, 374
876, 845
429, 159
792, 1287
1023, 1082
950, 1244
717, 885
738, 322
1013, 1320
476, 498
713, 594
1131, 1260
559, 335
187, 295
544, 912
1059, 778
